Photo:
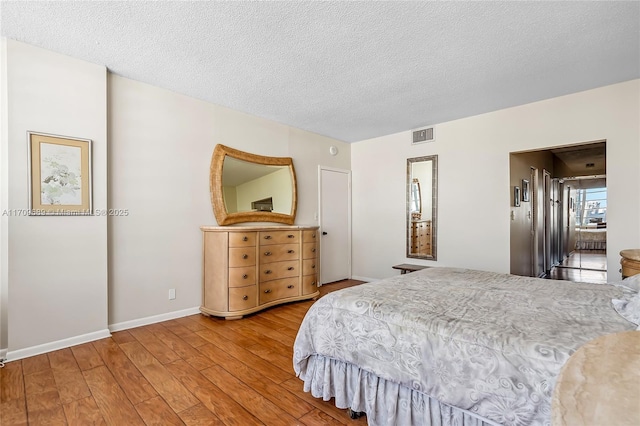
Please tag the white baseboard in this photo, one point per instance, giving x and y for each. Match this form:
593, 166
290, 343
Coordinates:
153, 319
58, 344
367, 279
90, 337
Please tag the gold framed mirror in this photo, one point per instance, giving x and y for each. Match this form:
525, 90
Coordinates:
248, 187
422, 189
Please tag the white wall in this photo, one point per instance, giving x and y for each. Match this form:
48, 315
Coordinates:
473, 175
160, 149
56, 277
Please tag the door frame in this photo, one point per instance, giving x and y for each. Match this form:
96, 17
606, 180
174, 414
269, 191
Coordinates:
533, 218
348, 173
546, 182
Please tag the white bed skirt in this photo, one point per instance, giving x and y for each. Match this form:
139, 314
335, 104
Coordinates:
385, 402
591, 245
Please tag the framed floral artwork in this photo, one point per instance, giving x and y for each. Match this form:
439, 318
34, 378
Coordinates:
59, 175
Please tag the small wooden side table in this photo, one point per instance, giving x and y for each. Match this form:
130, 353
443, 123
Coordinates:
407, 267
600, 383
630, 262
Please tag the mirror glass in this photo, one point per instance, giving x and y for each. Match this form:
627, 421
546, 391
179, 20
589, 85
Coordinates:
252, 188
422, 185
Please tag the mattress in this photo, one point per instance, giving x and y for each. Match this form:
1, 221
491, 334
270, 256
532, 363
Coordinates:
450, 345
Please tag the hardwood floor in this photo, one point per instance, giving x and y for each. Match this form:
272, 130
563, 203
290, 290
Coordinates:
588, 266
188, 371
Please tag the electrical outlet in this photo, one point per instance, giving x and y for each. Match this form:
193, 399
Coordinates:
172, 293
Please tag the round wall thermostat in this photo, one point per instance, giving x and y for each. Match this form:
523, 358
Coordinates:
333, 150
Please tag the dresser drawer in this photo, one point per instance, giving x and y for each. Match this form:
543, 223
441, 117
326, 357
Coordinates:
241, 277
309, 236
279, 252
277, 270
242, 256
279, 237
309, 266
278, 289
242, 239
309, 284
309, 250
241, 298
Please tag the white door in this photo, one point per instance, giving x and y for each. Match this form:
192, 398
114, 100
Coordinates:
334, 203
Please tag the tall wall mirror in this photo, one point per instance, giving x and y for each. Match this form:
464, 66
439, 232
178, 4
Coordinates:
252, 188
422, 189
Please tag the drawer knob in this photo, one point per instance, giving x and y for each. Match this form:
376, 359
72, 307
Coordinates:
268, 271
313, 235
290, 268
245, 297
313, 250
267, 237
290, 236
313, 266
290, 251
268, 290
313, 283
245, 256
245, 276
290, 286
245, 238
267, 253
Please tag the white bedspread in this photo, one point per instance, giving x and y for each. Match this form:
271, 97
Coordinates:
488, 343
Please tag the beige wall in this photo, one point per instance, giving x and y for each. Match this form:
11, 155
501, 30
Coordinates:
474, 191
160, 149
160, 146
56, 277
4, 201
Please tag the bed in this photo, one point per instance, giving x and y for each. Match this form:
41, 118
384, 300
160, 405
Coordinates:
591, 238
447, 346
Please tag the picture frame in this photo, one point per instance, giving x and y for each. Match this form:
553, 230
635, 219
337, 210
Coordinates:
525, 190
516, 196
60, 181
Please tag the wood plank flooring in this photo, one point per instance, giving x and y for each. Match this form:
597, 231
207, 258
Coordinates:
589, 266
188, 371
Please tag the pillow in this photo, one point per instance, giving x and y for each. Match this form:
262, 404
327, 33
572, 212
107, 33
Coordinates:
633, 282
629, 308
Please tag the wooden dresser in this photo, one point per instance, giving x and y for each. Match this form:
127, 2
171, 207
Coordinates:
421, 237
249, 268
630, 261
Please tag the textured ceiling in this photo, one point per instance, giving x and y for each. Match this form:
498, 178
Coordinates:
349, 70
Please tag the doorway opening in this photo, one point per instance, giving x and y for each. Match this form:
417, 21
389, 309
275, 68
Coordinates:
559, 231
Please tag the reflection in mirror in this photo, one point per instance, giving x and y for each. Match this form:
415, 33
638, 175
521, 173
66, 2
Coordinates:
252, 188
422, 184
416, 199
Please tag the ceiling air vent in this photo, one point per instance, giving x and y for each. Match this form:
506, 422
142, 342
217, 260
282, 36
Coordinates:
423, 135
